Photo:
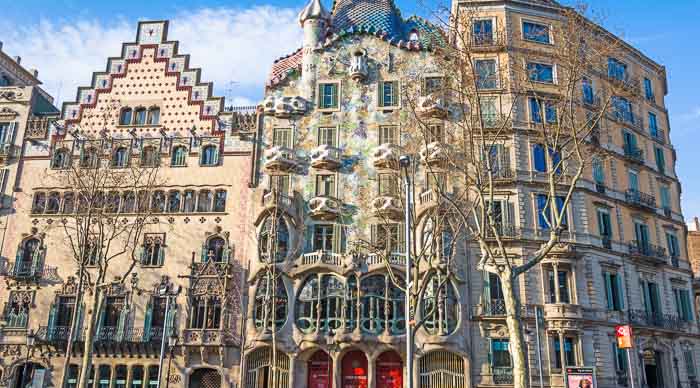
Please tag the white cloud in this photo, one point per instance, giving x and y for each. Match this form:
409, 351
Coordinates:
692, 115
234, 48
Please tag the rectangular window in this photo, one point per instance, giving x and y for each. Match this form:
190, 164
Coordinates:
641, 232
280, 184
689, 364
388, 184
653, 128
562, 290
436, 133
650, 296
325, 185
536, 32
598, 171
540, 72
633, 178
660, 159
16, 312
665, 192
323, 237
432, 85
683, 306
622, 109
486, 74
328, 96
389, 134
539, 158
388, 236
587, 91
536, 106
65, 305
112, 311
327, 136
389, 94
489, 111
500, 353
620, 356
435, 181
617, 70
604, 226
613, 291
4, 131
648, 89
544, 212
672, 243
569, 352
282, 137
482, 31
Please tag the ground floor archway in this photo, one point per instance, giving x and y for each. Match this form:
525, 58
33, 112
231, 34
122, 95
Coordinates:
259, 372
354, 370
319, 370
441, 369
205, 378
389, 370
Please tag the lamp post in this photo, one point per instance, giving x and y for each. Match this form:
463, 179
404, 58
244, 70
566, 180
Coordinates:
172, 342
404, 163
30, 344
165, 290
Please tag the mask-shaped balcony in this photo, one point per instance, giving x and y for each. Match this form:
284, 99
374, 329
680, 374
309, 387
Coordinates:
387, 206
281, 159
434, 154
432, 106
358, 66
386, 156
324, 208
326, 157
283, 107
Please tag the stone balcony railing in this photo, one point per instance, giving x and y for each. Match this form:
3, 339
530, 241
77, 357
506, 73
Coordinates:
658, 320
634, 154
434, 153
562, 311
386, 156
324, 208
387, 206
432, 106
322, 257
326, 157
104, 335
208, 337
281, 159
398, 259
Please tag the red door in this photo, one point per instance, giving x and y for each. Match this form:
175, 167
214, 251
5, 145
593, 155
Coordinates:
354, 370
389, 370
320, 370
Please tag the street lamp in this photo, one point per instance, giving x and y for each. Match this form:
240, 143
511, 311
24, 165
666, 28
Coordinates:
404, 164
165, 291
172, 342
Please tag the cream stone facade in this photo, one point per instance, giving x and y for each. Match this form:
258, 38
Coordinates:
261, 211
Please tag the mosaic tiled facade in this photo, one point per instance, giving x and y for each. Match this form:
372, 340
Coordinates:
266, 207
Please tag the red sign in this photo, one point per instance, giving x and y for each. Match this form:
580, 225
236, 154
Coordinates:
320, 371
354, 370
624, 336
389, 370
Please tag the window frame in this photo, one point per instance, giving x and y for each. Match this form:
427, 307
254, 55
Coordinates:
481, 83
335, 99
395, 102
538, 65
548, 28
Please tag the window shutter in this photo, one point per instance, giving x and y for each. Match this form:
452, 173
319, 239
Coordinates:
10, 136
215, 162
487, 292
37, 257
309, 239
620, 291
608, 290
373, 234
227, 255
52, 322
147, 321
334, 95
123, 321
490, 354
337, 243
509, 214
170, 319
161, 255
18, 260
645, 297
100, 319
203, 256
79, 325
401, 239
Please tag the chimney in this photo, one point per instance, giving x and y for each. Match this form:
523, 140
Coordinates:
18, 59
34, 72
0, 45
697, 224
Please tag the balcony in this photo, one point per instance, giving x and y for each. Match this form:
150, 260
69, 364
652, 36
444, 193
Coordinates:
634, 154
658, 135
281, 159
108, 340
29, 271
386, 156
654, 254
627, 82
639, 199
502, 375
504, 231
208, 337
373, 259
493, 308
600, 188
432, 106
37, 128
8, 152
658, 320
326, 157
324, 208
488, 42
321, 257
434, 154
558, 311
499, 174
284, 107
274, 199
387, 206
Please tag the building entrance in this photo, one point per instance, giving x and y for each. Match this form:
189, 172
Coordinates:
354, 369
653, 370
320, 370
389, 370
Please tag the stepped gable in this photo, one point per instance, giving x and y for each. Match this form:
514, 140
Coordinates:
151, 35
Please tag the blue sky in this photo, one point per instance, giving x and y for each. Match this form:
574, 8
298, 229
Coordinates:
67, 40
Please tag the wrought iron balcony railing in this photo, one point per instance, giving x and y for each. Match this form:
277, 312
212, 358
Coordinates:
502, 375
505, 231
494, 308
28, 271
640, 199
639, 248
633, 153
59, 334
651, 319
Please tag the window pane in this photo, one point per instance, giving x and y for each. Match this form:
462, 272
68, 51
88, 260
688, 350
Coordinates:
536, 32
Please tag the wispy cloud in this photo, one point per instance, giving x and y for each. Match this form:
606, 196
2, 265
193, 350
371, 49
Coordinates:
694, 114
226, 43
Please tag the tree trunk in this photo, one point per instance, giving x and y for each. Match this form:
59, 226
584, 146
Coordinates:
90, 338
73, 327
515, 331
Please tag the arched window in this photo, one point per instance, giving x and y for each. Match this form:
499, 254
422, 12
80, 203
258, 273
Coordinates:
210, 156
158, 201
68, 203
113, 200
269, 246
60, 159
216, 249
440, 306
140, 116
259, 370
129, 203
381, 306
89, 158
53, 205
28, 257
152, 251
441, 365
270, 307
125, 116
174, 201
178, 157
320, 304
220, 201
149, 156
120, 157
39, 203
188, 202
154, 116
204, 199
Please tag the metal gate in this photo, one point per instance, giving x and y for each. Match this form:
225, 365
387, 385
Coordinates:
259, 371
441, 369
205, 378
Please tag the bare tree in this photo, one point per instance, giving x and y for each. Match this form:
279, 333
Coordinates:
482, 107
109, 204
